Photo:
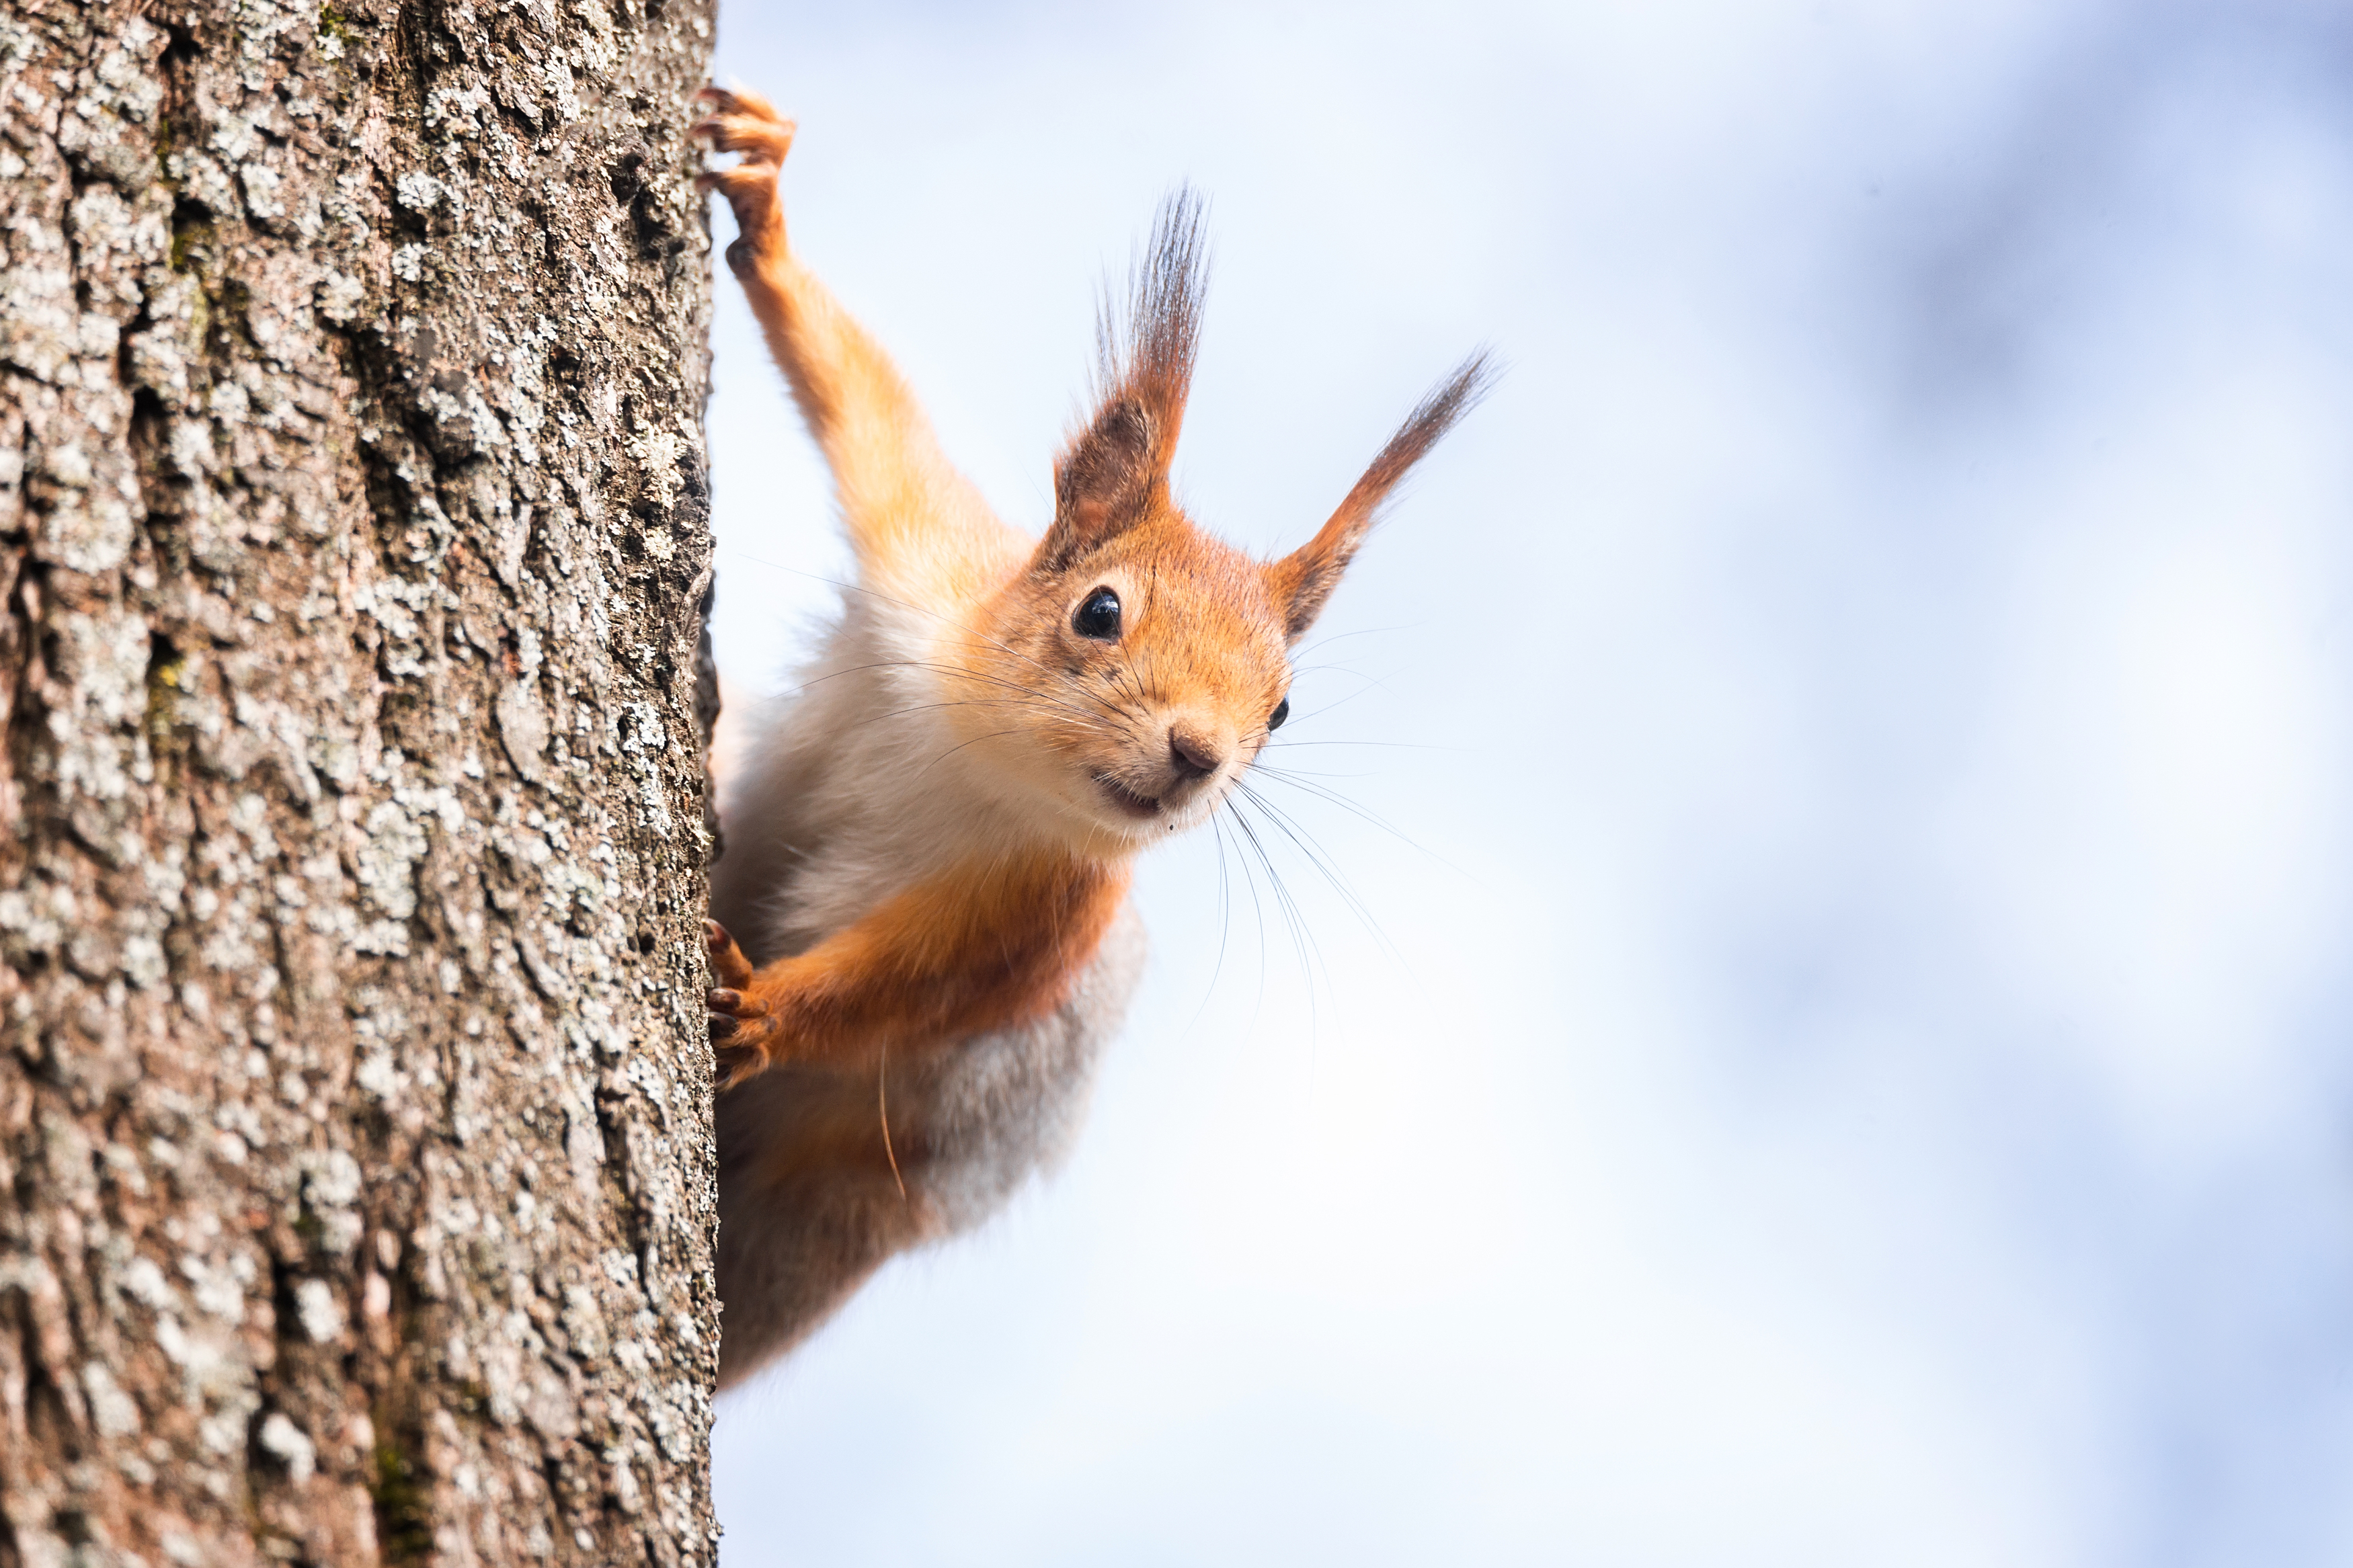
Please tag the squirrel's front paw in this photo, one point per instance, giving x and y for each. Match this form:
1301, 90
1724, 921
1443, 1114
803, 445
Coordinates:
743, 1030
745, 122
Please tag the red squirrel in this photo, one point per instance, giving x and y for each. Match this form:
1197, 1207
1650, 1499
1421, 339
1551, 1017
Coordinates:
927, 851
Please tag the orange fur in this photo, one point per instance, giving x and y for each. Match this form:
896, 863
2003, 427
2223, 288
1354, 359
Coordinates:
977, 948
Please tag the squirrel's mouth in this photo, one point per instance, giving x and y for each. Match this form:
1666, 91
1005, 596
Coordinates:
1126, 799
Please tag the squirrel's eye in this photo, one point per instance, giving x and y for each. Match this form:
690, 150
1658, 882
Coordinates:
1098, 616
1281, 712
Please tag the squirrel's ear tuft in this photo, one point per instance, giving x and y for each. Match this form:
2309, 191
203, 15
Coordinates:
1115, 471
1302, 580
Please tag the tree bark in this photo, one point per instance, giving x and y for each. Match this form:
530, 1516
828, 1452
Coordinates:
356, 1158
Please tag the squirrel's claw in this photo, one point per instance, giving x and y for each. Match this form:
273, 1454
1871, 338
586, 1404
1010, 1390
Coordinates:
740, 1029
727, 960
740, 1024
735, 1064
745, 122
726, 1014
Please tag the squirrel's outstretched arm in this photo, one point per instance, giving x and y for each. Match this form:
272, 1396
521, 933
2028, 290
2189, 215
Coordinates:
978, 948
901, 498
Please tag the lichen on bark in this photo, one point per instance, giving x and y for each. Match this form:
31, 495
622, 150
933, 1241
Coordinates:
355, 1162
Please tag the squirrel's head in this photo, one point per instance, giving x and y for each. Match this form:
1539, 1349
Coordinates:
1139, 665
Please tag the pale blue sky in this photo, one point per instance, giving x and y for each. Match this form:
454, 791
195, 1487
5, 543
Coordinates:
1853, 1065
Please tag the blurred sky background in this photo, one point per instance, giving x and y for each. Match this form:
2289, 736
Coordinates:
1848, 1063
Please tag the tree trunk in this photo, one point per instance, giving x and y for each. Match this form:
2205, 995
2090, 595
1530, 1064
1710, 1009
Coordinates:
354, 1114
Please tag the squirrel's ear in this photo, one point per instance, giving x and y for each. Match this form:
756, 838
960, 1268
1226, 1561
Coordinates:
1115, 471
1105, 484
1302, 580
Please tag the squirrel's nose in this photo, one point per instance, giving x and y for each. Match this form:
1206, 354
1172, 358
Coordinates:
1190, 755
